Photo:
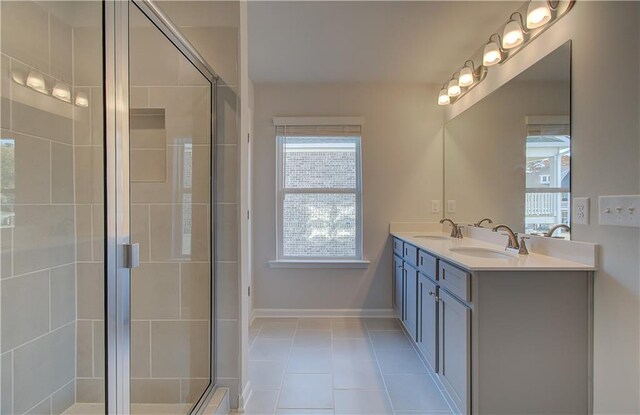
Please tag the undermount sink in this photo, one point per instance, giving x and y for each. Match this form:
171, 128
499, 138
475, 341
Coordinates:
434, 237
481, 252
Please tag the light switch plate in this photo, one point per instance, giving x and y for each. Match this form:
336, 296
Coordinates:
435, 206
451, 206
619, 210
580, 214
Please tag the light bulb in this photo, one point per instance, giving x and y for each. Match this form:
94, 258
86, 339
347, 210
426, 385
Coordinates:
443, 98
538, 14
512, 35
82, 100
62, 92
454, 89
35, 80
492, 54
466, 77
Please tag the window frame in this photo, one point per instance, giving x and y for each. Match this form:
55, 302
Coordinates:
281, 192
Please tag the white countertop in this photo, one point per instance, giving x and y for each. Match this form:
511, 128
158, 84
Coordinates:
531, 262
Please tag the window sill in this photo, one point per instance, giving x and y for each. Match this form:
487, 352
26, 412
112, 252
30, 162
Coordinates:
292, 263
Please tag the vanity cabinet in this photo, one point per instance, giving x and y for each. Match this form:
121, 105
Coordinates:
500, 341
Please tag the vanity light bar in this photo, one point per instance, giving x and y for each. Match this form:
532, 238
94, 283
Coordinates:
512, 36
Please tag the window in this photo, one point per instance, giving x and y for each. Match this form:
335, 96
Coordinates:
319, 193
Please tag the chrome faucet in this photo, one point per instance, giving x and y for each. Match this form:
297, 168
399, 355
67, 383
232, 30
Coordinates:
456, 230
513, 239
479, 223
550, 232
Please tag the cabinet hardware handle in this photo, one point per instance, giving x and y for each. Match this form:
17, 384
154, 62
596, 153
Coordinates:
431, 293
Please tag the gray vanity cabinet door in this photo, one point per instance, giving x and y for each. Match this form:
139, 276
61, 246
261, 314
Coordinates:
411, 300
398, 287
428, 320
455, 350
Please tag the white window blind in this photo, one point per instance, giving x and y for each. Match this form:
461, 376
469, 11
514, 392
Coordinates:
319, 196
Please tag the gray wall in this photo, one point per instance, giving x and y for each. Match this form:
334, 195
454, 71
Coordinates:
606, 150
402, 173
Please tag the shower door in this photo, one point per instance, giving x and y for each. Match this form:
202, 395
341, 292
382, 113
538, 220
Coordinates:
162, 333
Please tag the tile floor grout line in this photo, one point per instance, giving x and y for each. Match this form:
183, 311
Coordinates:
284, 375
384, 382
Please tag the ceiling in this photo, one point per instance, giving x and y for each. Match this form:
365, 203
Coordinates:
367, 41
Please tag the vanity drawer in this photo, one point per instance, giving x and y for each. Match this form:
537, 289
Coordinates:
410, 254
428, 265
456, 281
397, 247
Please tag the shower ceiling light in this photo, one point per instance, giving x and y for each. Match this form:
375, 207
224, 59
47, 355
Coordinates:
443, 97
538, 14
82, 100
454, 89
35, 80
62, 92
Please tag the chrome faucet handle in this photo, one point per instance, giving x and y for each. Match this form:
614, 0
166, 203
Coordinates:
459, 232
509, 240
522, 249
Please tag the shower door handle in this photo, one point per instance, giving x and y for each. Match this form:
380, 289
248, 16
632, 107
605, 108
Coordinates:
131, 255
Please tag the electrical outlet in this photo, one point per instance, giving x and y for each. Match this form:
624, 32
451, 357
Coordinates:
435, 206
451, 206
619, 210
580, 211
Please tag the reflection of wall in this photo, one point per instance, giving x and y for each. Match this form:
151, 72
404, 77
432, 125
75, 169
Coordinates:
606, 148
38, 263
485, 151
401, 168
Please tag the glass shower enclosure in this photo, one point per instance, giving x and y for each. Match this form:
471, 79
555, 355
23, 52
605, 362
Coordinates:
106, 204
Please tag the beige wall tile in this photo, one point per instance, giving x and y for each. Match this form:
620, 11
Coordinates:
227, 117
63, 399
138, 97
226, 232
217, 45
188, 112
87, 55
25, 308
153, 60
148, 165
140, 351
98, 349
227, 349
180, 348
97, 116
227, 173
90, 390
98, 232
42, 120
61, 173
43, 408
63, 295
189, 75
32, 168
36, 375
6, 383
90, 297
84, 349
227, 290
6, 252
192, 389
155, 390
84, 243
196, 290
61, 45
140, 229
172, 190
169, 238
147, 137
43, 237
89, 174
82, 119
25, 32
5, 93
155, 291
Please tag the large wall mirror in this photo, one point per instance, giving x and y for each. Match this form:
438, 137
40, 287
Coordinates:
508, 157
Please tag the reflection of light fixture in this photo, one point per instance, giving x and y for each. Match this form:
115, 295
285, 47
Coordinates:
513, 33
62, 92
454, 89
492, 54
35, 80
443, 97
82, 100
538, 14
17, 76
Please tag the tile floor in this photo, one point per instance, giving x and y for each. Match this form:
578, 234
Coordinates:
337, 366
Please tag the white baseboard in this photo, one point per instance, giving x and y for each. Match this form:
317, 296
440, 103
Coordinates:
244, 397
323, 312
